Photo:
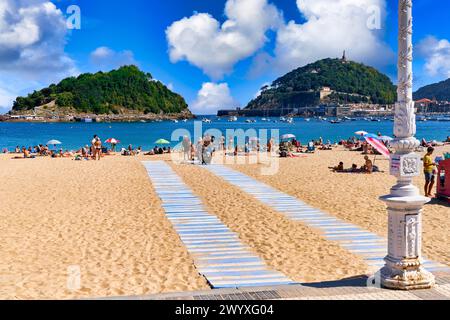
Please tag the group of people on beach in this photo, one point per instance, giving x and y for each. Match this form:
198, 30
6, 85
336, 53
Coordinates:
39, 151
368, 167
203, 151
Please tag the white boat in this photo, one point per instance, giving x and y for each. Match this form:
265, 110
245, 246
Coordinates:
175, 121
307, 120
206, 120
232, 119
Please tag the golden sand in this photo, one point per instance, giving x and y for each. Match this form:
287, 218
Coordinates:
106, 218
286, 246
354, 197
101, 216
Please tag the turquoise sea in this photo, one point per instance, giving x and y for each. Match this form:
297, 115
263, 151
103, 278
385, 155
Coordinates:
74, 135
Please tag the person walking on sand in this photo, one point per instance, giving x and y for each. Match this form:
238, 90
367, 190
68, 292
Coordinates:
429, 170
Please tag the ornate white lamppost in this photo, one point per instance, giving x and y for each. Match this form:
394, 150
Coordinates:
403, 269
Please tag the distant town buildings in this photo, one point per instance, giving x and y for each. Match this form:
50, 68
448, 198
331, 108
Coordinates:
432, 106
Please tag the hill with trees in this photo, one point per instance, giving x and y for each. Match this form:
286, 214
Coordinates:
439, 91
114, 92
349, 81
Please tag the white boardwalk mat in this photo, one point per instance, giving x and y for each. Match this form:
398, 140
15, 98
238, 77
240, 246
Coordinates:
371, 247
218, 253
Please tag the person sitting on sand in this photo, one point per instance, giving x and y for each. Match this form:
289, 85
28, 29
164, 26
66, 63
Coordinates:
339, 167
368, 166
448, 140
26, 153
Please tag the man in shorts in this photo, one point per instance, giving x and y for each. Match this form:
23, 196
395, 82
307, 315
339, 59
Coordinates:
429, 170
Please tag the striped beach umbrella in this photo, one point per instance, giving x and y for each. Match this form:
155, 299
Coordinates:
375, 142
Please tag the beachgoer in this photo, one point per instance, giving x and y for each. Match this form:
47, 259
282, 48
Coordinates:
429, 170
368, 166
339, 167
97, 147
186, 148
192, 158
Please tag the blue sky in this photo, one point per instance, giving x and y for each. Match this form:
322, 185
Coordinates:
217, 54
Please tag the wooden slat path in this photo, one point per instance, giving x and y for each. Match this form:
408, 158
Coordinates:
218, 253
371, 247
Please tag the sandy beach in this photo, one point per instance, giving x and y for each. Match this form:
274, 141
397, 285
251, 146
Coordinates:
354, 197
101, 216
105, 218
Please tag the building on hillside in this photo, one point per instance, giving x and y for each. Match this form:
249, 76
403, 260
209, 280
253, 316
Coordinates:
325, 92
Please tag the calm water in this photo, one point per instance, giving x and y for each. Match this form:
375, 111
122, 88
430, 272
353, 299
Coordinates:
74, 135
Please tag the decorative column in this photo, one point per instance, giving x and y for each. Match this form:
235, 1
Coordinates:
403, 269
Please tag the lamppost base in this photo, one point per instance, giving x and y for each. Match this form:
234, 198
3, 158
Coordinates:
406, 275
404, 269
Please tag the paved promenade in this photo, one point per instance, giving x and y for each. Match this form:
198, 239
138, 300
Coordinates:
350, 289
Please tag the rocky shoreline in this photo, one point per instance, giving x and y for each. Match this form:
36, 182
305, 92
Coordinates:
95, 118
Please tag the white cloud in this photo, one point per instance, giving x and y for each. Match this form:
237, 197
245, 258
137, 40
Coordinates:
330, 28
215, 48
32, 38
32, 41
437, 56
6, 99
106, 59
213, 97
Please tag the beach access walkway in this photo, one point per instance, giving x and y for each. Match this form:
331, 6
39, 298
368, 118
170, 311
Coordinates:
218, 253
371, 247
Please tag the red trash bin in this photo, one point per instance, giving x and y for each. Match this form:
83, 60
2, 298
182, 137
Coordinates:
443, 180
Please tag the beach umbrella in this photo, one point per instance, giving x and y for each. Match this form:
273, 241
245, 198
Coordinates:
361, 133
288, 136
375, 142
112, 141
54, 142
162, 141
385, 138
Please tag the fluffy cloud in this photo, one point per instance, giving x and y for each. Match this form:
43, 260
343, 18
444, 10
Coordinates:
215, 48
437, 56
107, 59
330, 28
213, 97
32, 40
